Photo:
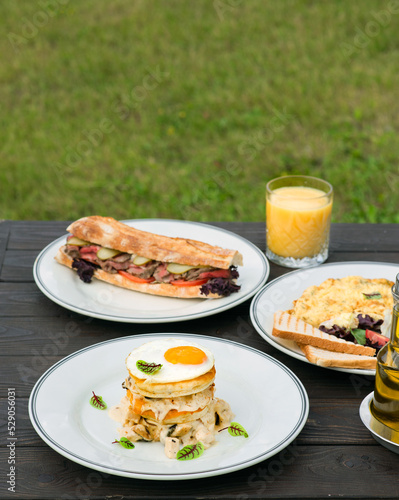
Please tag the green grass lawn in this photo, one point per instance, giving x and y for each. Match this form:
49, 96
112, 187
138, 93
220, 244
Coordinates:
185, 109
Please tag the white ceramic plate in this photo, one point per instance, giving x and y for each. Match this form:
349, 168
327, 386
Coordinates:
366, 417
280, 293
265, 396
105, 301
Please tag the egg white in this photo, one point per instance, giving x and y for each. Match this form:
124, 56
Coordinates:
153, 352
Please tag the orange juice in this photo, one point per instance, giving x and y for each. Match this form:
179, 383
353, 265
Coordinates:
298, 221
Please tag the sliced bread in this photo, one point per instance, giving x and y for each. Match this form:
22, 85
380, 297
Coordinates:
289, 327
321, 357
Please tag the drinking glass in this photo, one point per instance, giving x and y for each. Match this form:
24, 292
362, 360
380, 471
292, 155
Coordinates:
298, 216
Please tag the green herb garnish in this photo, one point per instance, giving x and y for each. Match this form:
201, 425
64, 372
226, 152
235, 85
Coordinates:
148, 368
360, 335
191, 451
125, 443
98, 402
372, 296
235, 429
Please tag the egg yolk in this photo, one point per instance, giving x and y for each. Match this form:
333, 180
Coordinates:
186, 355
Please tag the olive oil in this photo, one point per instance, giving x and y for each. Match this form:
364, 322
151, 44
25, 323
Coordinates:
385, 404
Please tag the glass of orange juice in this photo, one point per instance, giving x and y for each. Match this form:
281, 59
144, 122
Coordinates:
298, 216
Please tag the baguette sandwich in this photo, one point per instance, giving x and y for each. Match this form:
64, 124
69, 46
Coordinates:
116, 253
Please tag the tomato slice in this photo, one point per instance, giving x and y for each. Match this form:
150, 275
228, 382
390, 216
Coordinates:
376, 338
189, 283
136, 279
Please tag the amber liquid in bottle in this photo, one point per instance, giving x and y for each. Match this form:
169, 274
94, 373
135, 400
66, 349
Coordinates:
385, 404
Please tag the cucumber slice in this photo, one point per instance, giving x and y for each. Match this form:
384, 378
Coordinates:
174, 268
107, 253
140, 261
77, 241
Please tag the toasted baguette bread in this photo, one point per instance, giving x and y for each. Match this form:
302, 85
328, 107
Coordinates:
289, 327
108, 232
322, 357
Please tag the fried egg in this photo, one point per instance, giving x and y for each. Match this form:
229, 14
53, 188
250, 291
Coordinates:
180, 360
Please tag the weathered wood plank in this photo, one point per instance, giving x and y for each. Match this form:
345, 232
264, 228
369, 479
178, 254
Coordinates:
25, 299
4, 236
35, 235
364, 237
390, 257
296, 472
18, 265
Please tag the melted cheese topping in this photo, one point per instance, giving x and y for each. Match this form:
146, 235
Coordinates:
335, 297
204, 429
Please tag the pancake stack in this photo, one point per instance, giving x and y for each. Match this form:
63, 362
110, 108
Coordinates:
170, 396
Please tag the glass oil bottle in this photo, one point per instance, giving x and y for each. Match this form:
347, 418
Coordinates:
385, 404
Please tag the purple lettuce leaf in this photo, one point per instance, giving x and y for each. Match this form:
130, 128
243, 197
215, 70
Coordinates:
221, 286
365, 323
339, 332
85, 269
336, 330
368, 323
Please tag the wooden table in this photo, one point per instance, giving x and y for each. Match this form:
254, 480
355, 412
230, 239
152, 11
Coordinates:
334, 456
